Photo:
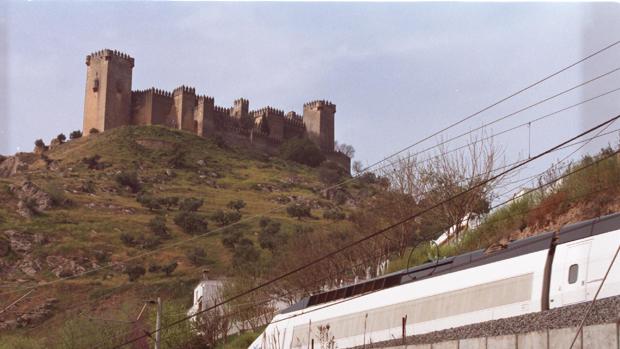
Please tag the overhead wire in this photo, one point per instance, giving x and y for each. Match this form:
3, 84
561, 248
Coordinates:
468, 117
381, 231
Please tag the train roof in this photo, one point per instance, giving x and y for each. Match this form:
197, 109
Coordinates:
464, 261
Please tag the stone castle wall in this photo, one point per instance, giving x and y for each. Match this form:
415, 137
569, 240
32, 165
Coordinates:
110, 102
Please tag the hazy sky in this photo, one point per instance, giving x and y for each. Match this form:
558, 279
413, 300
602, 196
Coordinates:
397, 72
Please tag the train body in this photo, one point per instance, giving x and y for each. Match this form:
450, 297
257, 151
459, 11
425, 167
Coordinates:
546, 271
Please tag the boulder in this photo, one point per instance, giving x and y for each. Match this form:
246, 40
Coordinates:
11, 166
32, 199
64, 267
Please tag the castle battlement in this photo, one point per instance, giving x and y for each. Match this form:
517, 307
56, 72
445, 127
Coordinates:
205, 99
294, 120
319, 103
268, 111
223, 110
184, 89
107, 54
110, 102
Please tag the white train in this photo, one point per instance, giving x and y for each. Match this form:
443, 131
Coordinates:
546, 271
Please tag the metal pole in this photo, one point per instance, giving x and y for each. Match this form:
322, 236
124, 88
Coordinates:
585, 316
158, 325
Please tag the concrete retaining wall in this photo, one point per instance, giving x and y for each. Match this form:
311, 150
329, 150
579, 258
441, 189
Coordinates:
604, 336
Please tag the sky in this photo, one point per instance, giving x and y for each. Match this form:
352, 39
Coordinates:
396, 71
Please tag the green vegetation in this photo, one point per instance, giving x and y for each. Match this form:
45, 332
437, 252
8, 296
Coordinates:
587, 193
303, 151
75, 134
298, 210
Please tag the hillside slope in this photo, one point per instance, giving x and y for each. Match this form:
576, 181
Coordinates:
79, 207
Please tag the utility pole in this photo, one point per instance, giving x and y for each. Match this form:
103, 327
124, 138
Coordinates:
158, 325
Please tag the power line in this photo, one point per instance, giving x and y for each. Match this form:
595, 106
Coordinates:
381, 231
503, 218
585, 316
528, 123
522, 110
583, 144
107, 266
468, 117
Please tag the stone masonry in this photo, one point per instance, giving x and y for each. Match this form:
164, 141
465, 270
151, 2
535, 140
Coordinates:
109, 102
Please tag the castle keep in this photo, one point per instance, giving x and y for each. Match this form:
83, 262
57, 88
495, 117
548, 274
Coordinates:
109, 102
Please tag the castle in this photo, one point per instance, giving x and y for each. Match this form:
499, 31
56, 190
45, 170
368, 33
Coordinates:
110, 102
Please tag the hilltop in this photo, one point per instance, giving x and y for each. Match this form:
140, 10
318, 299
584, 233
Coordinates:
93, 201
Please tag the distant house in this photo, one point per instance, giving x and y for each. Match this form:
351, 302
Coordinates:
206, 293
470, 221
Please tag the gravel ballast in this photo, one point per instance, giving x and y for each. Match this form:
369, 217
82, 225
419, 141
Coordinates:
604, 311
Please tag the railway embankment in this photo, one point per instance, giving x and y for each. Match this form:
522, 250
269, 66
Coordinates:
551, 329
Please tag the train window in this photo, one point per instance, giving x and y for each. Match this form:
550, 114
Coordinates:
573, 272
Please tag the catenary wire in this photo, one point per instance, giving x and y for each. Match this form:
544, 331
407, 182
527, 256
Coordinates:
379, 232
365, 170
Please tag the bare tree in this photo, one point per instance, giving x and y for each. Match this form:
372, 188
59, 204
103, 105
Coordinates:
214, 325
344, 148
456, 181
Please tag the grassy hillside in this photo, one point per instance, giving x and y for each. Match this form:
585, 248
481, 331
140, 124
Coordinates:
96, 219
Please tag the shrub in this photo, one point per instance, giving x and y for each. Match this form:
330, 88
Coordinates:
341, 197
102, 256
191, 222
226, 218
39, 143
334, 215
245, 254
93, 131
169, 202
154, 268
157, 225
127, 239
75, 134
178, 157
220, 142
93, 162
57, 195
190, 204
236, 205
169, 268
330, 172
134, 272
88, 187
303, 151
150, 242
270, 236
197, 256
298, 210
148, 201
230, 238
128, 179
61, 138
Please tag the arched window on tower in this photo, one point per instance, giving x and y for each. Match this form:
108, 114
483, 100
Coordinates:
96, 85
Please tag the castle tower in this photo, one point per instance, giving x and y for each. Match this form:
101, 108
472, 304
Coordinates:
241, 108
319, 121
184, 103
107, 101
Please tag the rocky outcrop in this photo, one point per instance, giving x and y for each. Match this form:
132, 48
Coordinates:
22, 244
64, 267
12, 165
32, 199
31, 317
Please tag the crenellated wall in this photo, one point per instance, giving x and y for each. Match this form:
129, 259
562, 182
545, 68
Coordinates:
110, 102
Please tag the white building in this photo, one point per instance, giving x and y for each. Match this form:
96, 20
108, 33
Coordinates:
206, 293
